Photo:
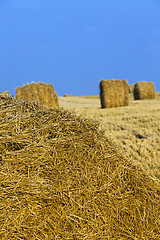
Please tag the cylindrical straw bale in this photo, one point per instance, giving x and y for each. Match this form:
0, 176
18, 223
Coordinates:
131, 88
67, 95
40, 92
114, 93
144, 90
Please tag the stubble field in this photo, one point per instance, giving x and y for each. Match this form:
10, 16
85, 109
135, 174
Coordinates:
134, 129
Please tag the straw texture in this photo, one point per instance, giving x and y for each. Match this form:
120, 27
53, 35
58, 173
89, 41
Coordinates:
61, 178
144, 90
40, 92
114, 93
131, 88
5, 94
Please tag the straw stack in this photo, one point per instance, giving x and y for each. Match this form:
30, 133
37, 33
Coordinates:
67, 95
114, 93
144, 90
131, 88
40, 92
61, 178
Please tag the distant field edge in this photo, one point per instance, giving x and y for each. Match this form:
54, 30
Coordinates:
89, 96
157, 95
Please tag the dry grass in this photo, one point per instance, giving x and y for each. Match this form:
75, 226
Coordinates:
135, 129
62, 178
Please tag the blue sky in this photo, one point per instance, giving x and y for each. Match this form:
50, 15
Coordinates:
73, 44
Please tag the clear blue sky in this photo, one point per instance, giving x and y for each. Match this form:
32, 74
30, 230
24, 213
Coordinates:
73, 44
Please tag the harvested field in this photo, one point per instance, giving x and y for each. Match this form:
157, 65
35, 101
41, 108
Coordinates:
134, 129
62, 178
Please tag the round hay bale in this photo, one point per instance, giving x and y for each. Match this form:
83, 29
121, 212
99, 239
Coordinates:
40, 92
67, 95
131, 88
144, 90
114, 93
61, 178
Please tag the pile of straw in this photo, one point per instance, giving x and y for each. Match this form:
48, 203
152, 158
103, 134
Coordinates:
40, 92
5, 94
144, 90
114, 93
131, 88
61, 178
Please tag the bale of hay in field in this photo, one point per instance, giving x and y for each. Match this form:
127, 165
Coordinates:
131, 88
144, 90
114, 93
5, 94
67, 95
40, 92
61, 178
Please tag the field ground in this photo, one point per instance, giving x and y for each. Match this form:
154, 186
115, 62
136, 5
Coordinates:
134, 129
